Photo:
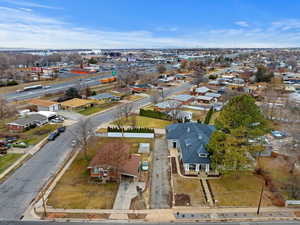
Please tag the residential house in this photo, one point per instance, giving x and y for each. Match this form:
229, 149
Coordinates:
205, 99
190, 139
107, 167
45, 105
167, 105
26, 122
199, 91
105, 97
77, 103
185, 99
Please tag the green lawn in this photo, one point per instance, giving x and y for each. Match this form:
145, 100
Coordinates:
37, 134
146, 122
242, 190
7, 160
97, 108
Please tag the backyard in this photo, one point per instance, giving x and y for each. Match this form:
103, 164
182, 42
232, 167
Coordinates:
7, 160
277, 170
74, 191
145, 122
97, 108
241, 189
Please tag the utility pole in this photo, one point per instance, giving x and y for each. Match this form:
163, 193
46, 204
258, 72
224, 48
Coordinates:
260, 199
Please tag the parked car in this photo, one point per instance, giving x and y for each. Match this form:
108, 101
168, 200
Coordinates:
11, 139
53, 136
145, 166
20, 144
61, 129
56, 120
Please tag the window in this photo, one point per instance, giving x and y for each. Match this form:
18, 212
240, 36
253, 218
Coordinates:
204, 155
96, 170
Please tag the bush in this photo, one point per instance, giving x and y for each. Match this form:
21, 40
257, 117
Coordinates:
130, 130
212, 77
154, 114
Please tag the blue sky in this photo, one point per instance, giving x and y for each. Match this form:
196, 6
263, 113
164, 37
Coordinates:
149, 23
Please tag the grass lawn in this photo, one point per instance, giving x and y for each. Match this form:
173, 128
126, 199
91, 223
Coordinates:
37, 134
7, 160
74, 191
97, 108
191, 187
241, 190
147, 122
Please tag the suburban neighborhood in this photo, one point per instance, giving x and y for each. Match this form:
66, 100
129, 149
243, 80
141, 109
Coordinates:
163, 122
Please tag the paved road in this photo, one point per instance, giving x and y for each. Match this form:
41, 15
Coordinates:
54, 88
141, 223
160, 183
17, 192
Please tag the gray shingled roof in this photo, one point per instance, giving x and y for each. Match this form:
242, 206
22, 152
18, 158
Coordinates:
29, 119
192, 137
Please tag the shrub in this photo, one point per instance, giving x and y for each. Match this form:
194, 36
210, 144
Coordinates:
154, 114
131, 130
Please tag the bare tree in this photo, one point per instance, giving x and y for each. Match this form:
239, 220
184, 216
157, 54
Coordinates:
155, 97
126, 110
161, 69
6, 110
82, 133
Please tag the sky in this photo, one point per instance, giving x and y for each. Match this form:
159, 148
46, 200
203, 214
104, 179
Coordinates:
149, 23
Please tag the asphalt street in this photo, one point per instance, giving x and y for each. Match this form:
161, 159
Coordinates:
54, 88
18, 190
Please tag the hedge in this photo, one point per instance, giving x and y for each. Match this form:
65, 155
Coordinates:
130, 130
154, 114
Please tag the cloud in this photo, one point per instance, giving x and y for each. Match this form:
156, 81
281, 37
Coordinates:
29, 4
242, 23
27, 29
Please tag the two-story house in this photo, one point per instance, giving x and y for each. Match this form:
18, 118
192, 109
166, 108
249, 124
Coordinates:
191, 139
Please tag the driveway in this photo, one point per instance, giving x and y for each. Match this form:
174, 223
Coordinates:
160, 182
71, 115
126, 192
20, 188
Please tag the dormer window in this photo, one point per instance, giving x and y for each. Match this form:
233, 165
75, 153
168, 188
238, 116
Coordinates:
203, 155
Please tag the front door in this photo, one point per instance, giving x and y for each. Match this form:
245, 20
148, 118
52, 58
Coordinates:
174, 144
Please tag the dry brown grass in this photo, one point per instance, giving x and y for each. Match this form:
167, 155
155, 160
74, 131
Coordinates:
242, 190
74, 191
191, 187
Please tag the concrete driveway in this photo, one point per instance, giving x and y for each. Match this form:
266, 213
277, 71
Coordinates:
160, 182
126, 192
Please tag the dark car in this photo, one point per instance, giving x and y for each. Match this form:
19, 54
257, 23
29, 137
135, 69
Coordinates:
61, 129
53, 135
11, 139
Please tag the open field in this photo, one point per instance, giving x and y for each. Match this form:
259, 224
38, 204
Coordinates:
238, 190
74, 191
145, 122
7, 160
97, 108
190, 187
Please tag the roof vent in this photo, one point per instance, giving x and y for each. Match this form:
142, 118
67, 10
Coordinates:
188, 129
200, 137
